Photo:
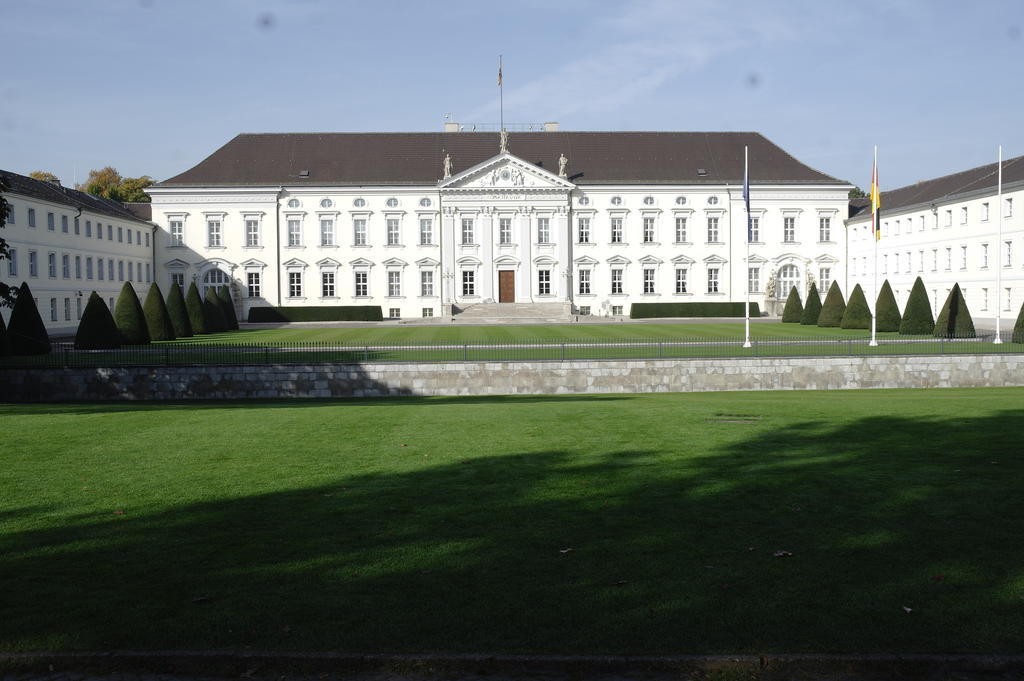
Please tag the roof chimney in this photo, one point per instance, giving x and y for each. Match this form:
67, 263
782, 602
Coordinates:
451, 126
551, 126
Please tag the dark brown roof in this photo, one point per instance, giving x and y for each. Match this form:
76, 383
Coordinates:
858, 206
143, 211
950, 186
417, 158
55, 193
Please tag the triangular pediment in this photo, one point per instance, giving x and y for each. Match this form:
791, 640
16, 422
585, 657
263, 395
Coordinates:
253, 262
826, 258
715, 260
295, 262
360, 262
395, 262
176, 263
585, 260
328, 262
506, 172
683, 260
427, 262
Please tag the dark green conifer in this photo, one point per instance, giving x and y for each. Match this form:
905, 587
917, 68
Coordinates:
833, 308
3, 338
213, 312
97, 330
129, 317
954, 318
228, 305
196, 310
791, 313
886, 310
178, 313
858, 314
26, 333
812, 310
917, 315
1018, 328
158, 321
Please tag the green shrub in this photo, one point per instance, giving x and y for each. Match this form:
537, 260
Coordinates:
178, 313
833, 309
129, 317
336, 313
794, 309
228, 305
26, 333
887, 312
97, 330
812, 310
954, 318
196, 312
858, 314
4, 349
213, 312
655, 310
1018, 328
158, 321
917, 315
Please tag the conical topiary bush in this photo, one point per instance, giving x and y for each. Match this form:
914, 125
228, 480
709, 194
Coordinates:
158, 322
129, 317
954, 318
812, 310
4, 350
887, 312
833, 308
26, 333
178, 313
196, 313
794, 309
228, 305
1018, 328
917, 315
858, 314
213, 312
97, 330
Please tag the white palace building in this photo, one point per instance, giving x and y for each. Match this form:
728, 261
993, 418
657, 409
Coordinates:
424, 224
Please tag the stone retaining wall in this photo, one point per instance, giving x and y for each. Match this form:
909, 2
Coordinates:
509, 378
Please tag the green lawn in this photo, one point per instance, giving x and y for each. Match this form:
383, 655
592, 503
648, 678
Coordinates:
577, 524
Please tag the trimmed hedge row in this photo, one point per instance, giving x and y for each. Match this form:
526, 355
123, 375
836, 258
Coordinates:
335, 313
654, 310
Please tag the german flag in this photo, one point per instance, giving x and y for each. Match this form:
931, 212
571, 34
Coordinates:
876, 201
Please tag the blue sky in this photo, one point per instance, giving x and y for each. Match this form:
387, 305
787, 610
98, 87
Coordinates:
154, 86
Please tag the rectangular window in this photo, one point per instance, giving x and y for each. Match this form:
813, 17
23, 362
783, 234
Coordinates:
51, 261
428, 312
963, 215
1006, 306
176, 278
394, 236
616, 230
712, 230
504, 230
88, 267
88, 228
824, 229
252, 283
963, 257
584, 282
681, 280
949, 259
712, 280
394, 284
327, 232
394, 313
64, 228
99, 269
467, 231
935, 259
825, 277
885, 264
426, 231
129, 235
110, 233
949, 217
327, 284
1008, 249
583, 231
617, 310
177, 232
33, 264
755, 230
543, 230
468, 283
681, 230
616, 281
984, 299
753, 279
1008, 212
789, 229
648, 280
295, 284
67, 309
147, 239
120, 235
53, 309
10, 213
648, 230
131, 273
252, 233
984, 256
213, 235
120, 270
908, 263
359, 232
544, 282
31, 217
362, 284
294, 232
78, 266
920, 261
920, 226
584, 310
984, 212
51, 226
426, 283
12, 263
110, 269
78, 308
65, 266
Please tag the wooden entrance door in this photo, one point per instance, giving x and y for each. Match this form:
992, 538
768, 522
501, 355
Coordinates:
506, 286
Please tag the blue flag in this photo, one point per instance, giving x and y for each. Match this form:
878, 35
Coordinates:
746, 197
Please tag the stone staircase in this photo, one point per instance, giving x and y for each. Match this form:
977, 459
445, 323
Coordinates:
514, 313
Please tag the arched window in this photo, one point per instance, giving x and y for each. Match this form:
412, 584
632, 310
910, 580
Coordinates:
214, 279
789, 276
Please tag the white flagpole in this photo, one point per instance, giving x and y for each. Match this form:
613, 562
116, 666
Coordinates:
999, 249
746, 207
874, 237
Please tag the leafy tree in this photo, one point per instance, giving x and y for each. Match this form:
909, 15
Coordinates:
886, 310
132, 189
1018, 328
158, 321
4, 349
917, 315
108, 183
26, 334
812, 310
954, 318
833, 308
213, 311
794, 308
196, 314
857, 193
43, 176
178, 313
97, 330
129, 317
228, 305
858, 314
7, 293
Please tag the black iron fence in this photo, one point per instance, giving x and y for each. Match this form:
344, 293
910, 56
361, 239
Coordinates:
198, 353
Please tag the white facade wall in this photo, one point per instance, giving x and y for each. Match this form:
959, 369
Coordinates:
482, 226
67, 247
955, 240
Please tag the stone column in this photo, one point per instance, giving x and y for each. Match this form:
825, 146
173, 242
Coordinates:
525, 282
447, 267
485, 236
564, 270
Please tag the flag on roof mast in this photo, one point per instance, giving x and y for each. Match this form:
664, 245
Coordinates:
746, 194
876, 200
